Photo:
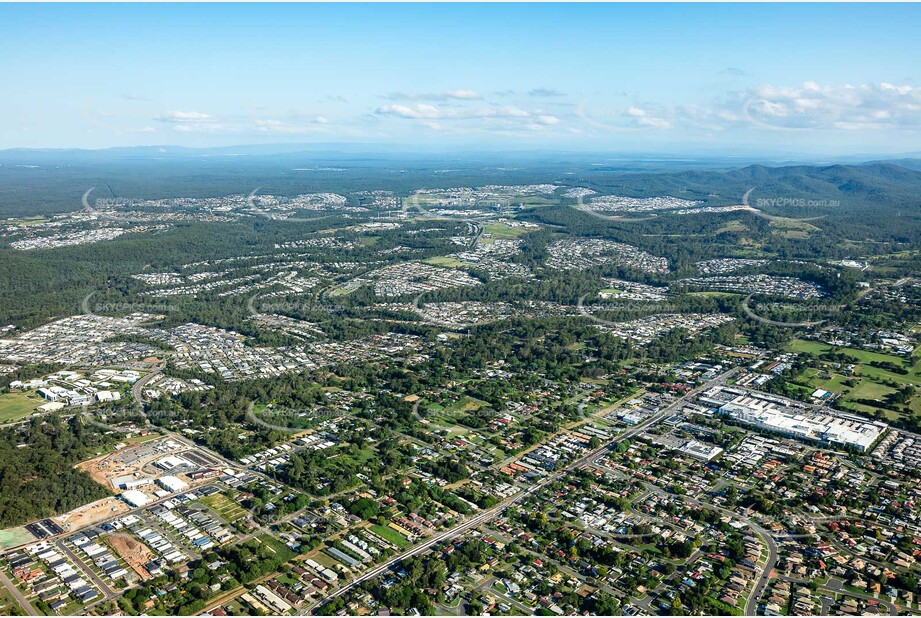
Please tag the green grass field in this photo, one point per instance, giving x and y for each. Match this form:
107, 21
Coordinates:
27, 221
321, 557
444, 261
391, 535
871, 381
732, 226
861, 356
501, 230
833, 382
17, 405
275, 545
228, 510
446, 416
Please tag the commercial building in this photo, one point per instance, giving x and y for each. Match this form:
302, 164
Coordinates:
172, 484
822, 427
135, 498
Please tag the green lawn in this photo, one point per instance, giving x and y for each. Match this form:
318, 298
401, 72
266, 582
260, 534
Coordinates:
27, 221
17, 405
229, 510
808, 347
867, 389
275, 545
871, 380
391, 535
732, 226
861, 356
445, 261
501, 230
466, 404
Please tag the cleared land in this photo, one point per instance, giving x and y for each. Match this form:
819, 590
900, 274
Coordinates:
445, 261
91, 513
14, 537
132, 551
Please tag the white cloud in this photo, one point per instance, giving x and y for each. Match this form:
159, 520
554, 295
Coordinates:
459, 95
177, 117
546, 92
279, 126
466, 118
465, 95
420, 110
630, 119
655, 123
432, 112
811, 106
848, 107
198, 122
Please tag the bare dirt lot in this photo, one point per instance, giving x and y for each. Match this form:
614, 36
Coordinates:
98, 468
91, 513
133, 552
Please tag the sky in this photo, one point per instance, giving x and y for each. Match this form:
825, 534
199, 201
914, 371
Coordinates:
682, 78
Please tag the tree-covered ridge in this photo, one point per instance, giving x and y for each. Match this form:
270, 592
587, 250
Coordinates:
37, 474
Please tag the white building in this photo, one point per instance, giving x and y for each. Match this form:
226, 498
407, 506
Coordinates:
135, 498
172, 484
107, 396
837, 429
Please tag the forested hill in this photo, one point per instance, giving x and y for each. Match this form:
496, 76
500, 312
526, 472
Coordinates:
781, 190
913, 163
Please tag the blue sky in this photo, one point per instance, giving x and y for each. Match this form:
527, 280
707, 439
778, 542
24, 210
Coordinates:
829, 79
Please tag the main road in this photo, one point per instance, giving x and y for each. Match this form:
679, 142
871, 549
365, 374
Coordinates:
489, 514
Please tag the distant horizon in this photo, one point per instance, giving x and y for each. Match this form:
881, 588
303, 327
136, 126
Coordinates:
401, 149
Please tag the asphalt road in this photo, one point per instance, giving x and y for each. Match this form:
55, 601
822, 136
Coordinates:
101, 585
487, 515
23, 602
761, 583
137, 388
